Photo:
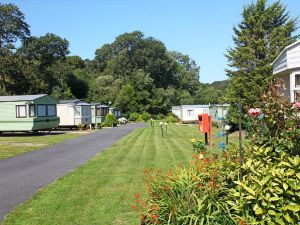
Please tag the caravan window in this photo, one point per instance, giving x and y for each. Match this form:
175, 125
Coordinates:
77, 111
297, 81
42, 110
86, 111
190, 112
21, 111
51, 110
32, 112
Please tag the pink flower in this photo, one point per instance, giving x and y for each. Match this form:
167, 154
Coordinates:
254, 112
297, 105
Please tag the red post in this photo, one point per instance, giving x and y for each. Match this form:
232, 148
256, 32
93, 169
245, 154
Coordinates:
205, 126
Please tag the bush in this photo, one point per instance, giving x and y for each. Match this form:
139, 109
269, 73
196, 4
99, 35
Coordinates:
133, 116
269, 190
198, 146
109, 120
193, 194
275, 124
172, 118
159, 116
145, 116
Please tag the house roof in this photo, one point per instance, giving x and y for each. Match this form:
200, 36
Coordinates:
284, 50
74, 101
15, 98
99, 105
194, 106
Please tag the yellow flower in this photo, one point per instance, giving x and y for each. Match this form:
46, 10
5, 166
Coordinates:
193, 140
201, 156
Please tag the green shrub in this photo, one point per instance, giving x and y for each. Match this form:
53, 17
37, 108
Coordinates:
134, 116
109, 120
198, 146
276, 123
145, 116
159, 116
172, 118
192, 194
269, 192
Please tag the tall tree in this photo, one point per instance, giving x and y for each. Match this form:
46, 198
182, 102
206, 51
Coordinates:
264, 31
45, 52
12, 25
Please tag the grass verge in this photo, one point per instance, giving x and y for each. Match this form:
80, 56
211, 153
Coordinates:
101, 191
16, 144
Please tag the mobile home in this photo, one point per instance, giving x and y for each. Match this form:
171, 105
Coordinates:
74, 112
115, 111
28, 113
287, 67
218, 112
189, 113
99, 112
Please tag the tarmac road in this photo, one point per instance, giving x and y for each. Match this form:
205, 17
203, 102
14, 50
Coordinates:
23, 175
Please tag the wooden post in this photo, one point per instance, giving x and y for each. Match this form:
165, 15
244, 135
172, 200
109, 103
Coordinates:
161, 128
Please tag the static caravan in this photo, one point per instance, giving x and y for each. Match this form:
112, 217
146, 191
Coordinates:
99, 112
218, 112
74, 112
28, 113
287, 67
115, 111
189, 113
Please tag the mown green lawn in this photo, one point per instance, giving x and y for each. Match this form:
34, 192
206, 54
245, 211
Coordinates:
101, 191
15, 144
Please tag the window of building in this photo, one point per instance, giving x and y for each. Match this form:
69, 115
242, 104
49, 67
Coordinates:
42, 110
190, 112
77, 111
51, 109
21, 111
32, 112
297, 80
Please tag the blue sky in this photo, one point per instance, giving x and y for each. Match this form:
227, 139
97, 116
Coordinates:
200, 28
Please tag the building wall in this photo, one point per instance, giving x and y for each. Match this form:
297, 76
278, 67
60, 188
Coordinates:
281, 64
293, 57
9, 121
66, 114
188, 117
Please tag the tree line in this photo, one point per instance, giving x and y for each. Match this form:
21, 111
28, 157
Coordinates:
135, 73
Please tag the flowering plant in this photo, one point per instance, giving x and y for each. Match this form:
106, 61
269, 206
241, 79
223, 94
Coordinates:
254, 112
198, 145
277, 127
297, 105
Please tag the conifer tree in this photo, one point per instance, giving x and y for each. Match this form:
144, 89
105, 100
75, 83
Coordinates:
264, 32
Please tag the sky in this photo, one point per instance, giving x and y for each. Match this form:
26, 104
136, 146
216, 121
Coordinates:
202, 29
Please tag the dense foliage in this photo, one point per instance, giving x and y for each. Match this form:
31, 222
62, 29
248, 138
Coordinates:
134, 72
263, 33
210, 191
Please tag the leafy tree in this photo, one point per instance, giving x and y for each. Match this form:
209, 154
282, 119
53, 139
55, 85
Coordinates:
45, 54
127, 99
12, 25
45, 49
264, 31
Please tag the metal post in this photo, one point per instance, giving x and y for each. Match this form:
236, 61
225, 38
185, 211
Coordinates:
206, 138
240, 139
226, 137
